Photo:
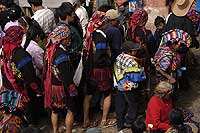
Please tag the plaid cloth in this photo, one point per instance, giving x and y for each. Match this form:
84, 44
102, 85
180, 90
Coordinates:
123, 61
127, 72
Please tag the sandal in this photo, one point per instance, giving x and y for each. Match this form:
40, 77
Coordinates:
108, 123
86, 126
90, 125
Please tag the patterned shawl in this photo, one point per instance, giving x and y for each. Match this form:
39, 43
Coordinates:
138, 18
180, 36
11, 40
97, 20
58, 34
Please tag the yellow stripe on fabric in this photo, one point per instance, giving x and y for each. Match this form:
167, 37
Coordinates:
126, 70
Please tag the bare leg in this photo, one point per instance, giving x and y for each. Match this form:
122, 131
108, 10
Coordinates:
86, 106
106, 107
54, 121
69, 120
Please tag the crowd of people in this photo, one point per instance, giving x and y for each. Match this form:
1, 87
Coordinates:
61, 61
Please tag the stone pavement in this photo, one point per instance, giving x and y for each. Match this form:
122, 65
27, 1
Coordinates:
189, 99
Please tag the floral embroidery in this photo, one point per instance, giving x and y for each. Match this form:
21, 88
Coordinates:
16, 72
55, 71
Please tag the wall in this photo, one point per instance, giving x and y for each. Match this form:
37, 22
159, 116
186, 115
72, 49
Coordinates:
154, 8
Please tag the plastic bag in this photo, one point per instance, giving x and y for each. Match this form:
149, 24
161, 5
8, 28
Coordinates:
78, 74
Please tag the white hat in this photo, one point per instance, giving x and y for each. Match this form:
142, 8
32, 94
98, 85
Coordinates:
112, 14
181, 7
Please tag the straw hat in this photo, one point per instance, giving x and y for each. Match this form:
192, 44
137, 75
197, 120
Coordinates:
181, 7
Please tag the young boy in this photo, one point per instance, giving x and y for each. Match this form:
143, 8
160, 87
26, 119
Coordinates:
159, 24
128, 75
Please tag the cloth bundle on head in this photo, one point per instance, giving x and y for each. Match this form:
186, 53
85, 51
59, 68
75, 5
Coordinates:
138, 18
58, 34
11, 40
178, 35
112, 14
97, 20
181, 7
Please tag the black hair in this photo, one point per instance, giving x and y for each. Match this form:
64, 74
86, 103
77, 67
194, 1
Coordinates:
34, 31
105, 8
139, 125
15, 12
66, 9
159, 20
25, 21
7, 3
35, 2
176, 117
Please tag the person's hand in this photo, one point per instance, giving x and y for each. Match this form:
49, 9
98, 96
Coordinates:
72, 90
158, 68
171, 80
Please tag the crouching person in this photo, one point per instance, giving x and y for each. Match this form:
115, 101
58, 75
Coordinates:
58, 77
128, 74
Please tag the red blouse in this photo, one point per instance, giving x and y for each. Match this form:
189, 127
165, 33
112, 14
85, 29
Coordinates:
157, 113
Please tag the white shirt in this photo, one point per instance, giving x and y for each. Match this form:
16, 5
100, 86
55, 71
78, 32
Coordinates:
37, 54
45, 18
9, 24
83, 16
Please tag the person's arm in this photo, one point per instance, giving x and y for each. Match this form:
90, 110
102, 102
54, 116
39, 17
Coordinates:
38, 57
63, 64
155, 110
163, 65
24, 63
169, 77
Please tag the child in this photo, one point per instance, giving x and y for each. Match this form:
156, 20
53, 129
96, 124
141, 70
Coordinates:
128, 74
176, 119
159, 24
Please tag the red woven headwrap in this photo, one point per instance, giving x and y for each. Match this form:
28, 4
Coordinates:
138, 18
11, 40
97, 20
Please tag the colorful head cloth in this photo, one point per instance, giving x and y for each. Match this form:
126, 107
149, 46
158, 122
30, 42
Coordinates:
58, 34
11, 40
138, 18
13, 35
180, 36
97, 20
